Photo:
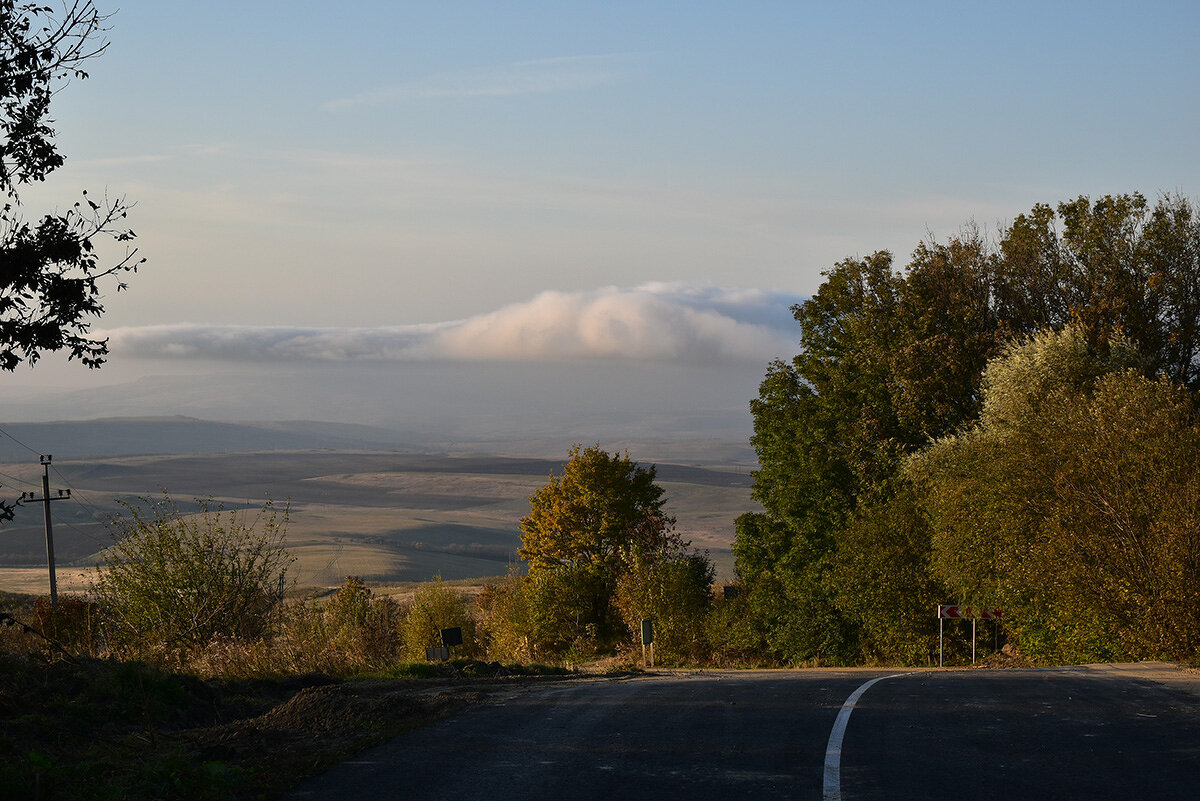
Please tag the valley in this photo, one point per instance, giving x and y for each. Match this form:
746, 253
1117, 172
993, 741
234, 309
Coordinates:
388, 515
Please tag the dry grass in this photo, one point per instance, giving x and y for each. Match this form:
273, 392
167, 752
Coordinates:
36, 580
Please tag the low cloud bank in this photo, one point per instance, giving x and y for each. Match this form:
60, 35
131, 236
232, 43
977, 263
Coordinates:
651, 322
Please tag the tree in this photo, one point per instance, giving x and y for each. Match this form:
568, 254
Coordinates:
550, 613
889, 362
894, 360
173, 581
585, 530
602, 511
360, 625
51, 273
883, 581
1074, 502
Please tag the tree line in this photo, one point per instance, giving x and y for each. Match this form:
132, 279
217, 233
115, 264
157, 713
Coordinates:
1006, 422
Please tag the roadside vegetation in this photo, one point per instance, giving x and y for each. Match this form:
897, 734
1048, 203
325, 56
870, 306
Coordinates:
1007, 424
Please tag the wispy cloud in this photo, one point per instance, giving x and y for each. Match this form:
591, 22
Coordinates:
540, 76
652, 322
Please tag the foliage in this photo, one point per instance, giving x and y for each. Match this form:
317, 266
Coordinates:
789, 598
359, 623
504, 619
602, 511
552, 614
436, 606
677, 595
888, 362
586, 532
883, 580
1074, 502
171, 582
735, 637
72, 625
52, 274
893, 361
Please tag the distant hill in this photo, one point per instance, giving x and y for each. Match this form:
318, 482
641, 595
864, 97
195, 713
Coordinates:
180, 435
152, 436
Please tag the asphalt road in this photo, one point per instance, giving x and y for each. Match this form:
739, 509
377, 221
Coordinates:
1029, 734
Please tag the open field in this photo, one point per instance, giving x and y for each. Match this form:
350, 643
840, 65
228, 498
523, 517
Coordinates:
386, 516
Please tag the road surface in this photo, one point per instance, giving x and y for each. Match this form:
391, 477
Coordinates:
1065, 733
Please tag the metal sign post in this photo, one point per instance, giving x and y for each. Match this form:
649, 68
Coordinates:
648, 639
950, 612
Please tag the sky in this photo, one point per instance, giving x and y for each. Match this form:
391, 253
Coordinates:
545, 182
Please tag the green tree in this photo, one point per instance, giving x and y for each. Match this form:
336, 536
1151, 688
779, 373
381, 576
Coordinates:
1114, 264
362, 626
892, 361
551, 614
889, 361
602, 511
585, 529
1073, 502
51, 276
883, 580
173, 581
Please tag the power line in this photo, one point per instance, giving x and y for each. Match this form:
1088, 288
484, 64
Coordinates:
86, 505
22, 444
79, 530
16, 480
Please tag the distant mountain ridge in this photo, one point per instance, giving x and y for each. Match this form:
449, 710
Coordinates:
115, 437
150, 436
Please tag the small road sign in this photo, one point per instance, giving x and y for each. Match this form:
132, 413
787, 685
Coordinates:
946, 612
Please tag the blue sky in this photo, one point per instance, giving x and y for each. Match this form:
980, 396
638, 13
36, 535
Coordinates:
383, 164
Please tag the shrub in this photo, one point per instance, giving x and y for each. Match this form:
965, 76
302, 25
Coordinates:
72, 625
505, 615
172, 582
361, 625
434, 607
676, 595
735, 636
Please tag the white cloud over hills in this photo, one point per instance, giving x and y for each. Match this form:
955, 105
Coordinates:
652, 322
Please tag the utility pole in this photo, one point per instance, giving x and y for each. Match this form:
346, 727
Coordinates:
45, 501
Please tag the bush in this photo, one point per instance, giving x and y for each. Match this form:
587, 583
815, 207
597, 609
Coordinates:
676, 595
74, 624
172, 582
735, 636
434, 607
505, 615
365, 627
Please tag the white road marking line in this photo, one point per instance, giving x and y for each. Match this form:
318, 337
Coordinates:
833, 752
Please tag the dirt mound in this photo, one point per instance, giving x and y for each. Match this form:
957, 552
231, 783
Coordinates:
316, 727
1008, 657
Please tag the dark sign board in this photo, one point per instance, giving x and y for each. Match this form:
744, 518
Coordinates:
452, 637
